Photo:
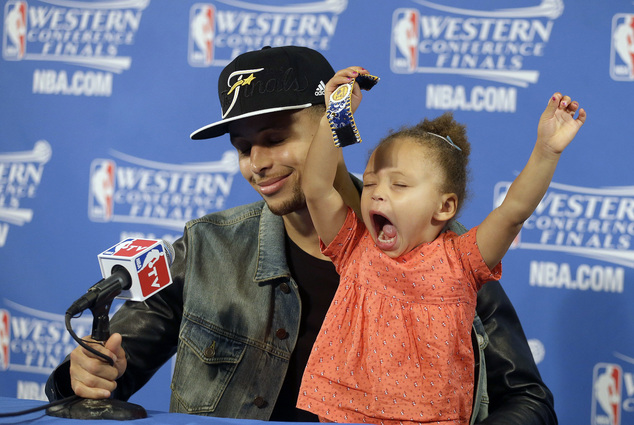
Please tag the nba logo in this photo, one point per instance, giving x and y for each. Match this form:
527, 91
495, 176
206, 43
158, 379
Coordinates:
14, 37
622, 49
147, 262
153, 270
4, 339
606, 394
201, 35
130, 247
405, 40
100, 199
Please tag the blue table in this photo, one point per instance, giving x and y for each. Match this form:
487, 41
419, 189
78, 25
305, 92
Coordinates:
154, 418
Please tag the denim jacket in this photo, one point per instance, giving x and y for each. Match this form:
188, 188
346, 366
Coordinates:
235, 323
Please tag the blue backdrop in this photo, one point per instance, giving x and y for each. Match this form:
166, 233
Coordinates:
98, 100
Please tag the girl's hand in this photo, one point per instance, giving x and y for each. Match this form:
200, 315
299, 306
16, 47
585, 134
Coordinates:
345, 76
557, 125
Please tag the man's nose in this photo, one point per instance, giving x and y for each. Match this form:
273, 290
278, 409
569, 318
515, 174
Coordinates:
259, 159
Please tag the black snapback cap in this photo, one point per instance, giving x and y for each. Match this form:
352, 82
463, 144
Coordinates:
268, 80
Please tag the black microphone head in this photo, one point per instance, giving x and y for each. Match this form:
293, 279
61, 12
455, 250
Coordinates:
169, 251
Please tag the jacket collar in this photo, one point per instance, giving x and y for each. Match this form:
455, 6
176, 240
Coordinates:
272, 248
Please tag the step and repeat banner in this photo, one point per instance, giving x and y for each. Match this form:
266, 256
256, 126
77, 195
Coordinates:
98, 99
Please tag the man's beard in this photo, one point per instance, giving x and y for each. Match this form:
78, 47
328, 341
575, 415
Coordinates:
297, 202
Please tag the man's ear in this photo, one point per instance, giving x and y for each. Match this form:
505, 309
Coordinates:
447, 208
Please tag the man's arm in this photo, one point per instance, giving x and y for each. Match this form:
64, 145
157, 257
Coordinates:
517, 394
150, 336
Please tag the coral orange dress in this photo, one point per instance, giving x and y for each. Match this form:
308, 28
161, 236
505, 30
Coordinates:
395, 346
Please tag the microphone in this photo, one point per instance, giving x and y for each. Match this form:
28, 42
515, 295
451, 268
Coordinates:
133, 269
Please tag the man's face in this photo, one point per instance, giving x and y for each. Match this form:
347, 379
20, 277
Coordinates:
272, 150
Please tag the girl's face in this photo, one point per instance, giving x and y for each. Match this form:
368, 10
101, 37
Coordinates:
401, 203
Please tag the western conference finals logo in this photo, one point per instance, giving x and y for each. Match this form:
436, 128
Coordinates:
92, 35
498, 45
32, 343
20, 177
127, 189
221, 31
593, 223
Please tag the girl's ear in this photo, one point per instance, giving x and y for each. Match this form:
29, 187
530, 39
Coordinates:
447, 208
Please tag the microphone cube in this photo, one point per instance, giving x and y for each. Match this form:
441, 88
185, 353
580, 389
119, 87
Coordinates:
145, 260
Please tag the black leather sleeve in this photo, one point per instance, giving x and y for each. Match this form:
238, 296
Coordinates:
150, 335
517, 394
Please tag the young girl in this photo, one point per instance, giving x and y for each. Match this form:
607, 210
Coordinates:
395, 346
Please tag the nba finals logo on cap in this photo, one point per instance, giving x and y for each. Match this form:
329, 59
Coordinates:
622, 51
236, 82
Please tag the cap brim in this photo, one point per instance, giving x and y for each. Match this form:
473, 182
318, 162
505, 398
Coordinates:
221, 127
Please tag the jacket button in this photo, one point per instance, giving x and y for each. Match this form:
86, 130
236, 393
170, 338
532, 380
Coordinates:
209, 351
480, 339
281, 333
285, 288
260, 402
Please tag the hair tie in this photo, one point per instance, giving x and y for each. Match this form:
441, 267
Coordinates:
446, 139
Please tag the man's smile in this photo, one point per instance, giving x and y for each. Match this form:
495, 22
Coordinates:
270, 185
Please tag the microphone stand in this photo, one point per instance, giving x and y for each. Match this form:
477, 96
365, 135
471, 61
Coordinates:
84, 408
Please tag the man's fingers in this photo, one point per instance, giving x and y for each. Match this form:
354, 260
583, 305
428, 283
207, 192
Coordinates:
87, 391
101, 349
91, 376
114, 346
93, 380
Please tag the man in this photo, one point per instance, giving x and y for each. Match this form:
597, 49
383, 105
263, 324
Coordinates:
251, 286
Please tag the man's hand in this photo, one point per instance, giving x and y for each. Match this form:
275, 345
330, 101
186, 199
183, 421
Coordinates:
90, 375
